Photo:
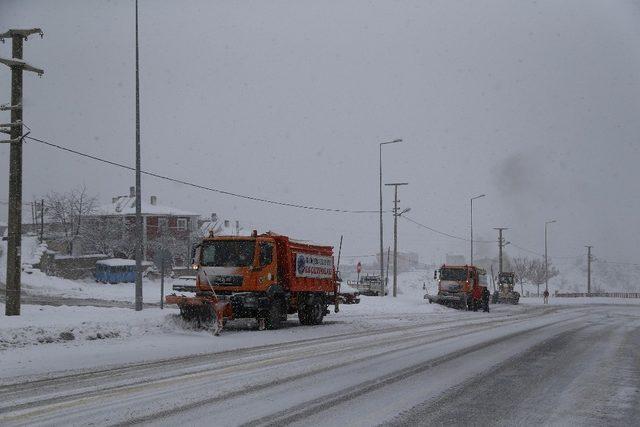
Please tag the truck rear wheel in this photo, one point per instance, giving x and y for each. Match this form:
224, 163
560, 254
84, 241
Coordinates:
311, 314
316, 314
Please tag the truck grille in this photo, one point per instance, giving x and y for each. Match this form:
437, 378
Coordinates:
226, 280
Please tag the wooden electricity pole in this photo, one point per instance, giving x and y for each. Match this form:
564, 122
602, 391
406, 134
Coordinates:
589, 270
396, 214
17, 65
500, 246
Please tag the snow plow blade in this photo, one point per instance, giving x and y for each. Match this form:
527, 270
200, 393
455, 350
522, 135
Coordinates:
453, 301
443, 299
507, 299
203, 309
181, 300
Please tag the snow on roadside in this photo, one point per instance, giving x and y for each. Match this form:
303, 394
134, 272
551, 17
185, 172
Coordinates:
30, 252
580, 301
46, 324
38, 283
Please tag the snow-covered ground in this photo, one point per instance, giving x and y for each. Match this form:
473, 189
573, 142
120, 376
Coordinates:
73, 365
85, 337
38, 283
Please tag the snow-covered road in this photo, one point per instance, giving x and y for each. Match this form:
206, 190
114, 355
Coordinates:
579, 362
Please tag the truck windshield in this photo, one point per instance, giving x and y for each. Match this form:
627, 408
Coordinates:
456, 274
228, 253
482, 279
507, 280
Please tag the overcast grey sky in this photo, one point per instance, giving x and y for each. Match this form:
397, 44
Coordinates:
534, 103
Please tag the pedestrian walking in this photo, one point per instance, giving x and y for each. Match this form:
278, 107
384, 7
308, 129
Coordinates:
546, 296
476, 294
486, 295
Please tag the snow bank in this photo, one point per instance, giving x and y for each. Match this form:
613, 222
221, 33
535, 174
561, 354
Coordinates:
580, 301
39, 325
47, 324
410, 299
30, 253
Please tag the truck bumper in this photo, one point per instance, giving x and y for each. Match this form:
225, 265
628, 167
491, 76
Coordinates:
445, 299
242, 305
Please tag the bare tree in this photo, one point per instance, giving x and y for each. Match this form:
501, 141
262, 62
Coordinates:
536, 272
65, 213
167, 247
521, 270
112, 236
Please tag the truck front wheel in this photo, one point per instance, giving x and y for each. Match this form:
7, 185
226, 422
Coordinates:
274, 316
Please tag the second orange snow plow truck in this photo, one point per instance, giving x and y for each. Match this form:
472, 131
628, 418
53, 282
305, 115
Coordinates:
264, 276
455, 285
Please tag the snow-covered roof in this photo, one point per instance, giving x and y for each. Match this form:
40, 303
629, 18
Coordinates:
113, 262
344, 288
219, 229
126, 205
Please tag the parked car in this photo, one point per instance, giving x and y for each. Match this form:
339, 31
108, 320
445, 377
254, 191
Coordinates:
348, 295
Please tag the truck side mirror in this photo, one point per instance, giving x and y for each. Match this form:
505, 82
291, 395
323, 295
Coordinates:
195, 254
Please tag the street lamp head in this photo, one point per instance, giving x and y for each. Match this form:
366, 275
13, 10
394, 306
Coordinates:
404, 211
391, 142
397, 183
550, 222
477, 197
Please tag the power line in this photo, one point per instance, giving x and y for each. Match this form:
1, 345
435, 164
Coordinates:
527, 250
201, 187
442, 232
615, 262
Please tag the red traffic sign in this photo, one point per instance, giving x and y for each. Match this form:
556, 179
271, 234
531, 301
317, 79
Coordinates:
359, 267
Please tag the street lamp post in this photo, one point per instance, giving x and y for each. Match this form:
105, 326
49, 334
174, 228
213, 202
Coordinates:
396, 214
472, 199
381, 230
138, 228
546, 263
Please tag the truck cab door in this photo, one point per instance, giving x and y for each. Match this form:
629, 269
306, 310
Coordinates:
267, 264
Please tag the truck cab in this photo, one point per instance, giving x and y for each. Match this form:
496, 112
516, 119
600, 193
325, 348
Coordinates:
235, 264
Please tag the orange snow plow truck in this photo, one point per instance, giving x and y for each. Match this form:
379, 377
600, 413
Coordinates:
265, 277
455, 285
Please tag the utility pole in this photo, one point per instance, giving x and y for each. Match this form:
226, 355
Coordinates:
396, 214
546, 262
386, 279
138, 190
501, 244
381, 230
17, 65
589, 259
41, 220
472, 199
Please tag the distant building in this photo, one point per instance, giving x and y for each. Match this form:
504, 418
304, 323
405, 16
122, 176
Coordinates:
155, 218
452, 259
407, 261
3, 228
218, 227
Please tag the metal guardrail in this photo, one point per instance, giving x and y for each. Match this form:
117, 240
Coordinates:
599, 295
